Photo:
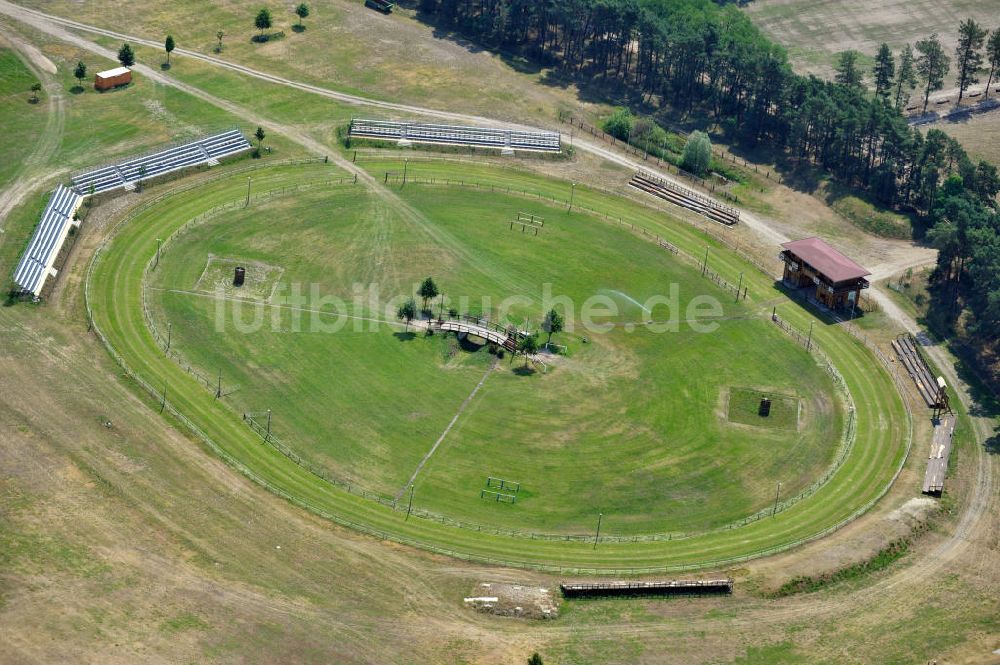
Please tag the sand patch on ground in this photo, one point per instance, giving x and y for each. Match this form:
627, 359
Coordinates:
514, 600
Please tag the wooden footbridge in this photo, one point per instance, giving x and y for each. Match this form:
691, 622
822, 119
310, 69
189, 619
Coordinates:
502, 337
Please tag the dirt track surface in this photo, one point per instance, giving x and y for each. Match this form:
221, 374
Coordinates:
423, 581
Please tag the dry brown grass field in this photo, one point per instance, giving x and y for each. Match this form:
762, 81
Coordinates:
814, 31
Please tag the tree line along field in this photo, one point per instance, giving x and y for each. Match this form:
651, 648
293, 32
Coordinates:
116, 302
630, 423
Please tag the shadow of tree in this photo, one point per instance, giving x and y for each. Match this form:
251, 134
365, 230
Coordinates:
992, 444
407, 336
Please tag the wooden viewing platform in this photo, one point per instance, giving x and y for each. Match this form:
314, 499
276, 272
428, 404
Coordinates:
648, 588
937, 462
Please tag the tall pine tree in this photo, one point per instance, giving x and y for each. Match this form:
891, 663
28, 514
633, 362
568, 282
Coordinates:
969, 55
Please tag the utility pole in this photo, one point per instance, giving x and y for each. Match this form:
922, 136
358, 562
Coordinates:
777, 493
158, 243
572, 191
218, 390
247, 205
704, 265
738, 287
163, 399
169, 329
409, 506
406, 163
809, 341
597, 536
268, 436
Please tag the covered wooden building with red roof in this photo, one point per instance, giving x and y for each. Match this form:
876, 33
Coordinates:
811, 262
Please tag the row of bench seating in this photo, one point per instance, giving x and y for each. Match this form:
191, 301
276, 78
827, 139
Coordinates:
206, 150
686, 198
489, 137
37, 261
47, 240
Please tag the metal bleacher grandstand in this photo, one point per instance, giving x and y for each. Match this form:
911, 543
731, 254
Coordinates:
37, 262
207, 150
487, 137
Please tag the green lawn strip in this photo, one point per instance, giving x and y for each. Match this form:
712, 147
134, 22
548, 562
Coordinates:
116, 301
612, 208
18, 117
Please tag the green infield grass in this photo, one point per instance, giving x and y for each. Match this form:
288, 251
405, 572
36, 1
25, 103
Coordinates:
628, 422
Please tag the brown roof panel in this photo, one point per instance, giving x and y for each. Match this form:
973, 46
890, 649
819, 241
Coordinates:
825, 259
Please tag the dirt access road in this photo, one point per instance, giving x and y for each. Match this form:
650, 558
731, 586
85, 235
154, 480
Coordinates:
50, 24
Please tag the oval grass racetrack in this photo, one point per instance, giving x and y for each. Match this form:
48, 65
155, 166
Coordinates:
114, 295
616, 424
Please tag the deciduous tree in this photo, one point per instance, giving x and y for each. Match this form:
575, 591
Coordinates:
619, 124
697, 153
527, 346
263, 20
407, 312
428, 290
302, 11
552, 324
